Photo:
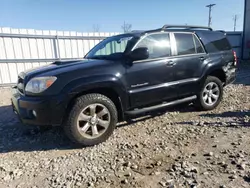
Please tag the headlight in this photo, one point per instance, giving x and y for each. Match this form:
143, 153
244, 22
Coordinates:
39, 84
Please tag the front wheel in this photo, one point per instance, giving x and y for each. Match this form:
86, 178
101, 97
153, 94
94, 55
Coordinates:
92, 120
210, 94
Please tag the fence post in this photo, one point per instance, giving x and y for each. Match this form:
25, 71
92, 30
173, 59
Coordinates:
56, 47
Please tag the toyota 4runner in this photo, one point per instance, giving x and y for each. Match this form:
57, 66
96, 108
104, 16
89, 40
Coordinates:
125, 75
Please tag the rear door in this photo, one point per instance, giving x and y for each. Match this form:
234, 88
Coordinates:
190, 58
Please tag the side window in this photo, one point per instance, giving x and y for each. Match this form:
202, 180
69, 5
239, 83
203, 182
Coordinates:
185, 44
157, 44
198, 45
215, 41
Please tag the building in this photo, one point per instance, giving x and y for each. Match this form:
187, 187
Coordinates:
246, 32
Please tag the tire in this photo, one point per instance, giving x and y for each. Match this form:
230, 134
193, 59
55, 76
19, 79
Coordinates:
202, 101
79, 119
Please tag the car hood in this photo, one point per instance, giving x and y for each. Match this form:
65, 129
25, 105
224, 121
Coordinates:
59, 67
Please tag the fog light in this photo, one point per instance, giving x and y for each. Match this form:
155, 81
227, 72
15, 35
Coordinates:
34, 113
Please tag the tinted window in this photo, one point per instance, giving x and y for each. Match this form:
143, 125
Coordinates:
157, 44
198, 45
185, 43
215, 41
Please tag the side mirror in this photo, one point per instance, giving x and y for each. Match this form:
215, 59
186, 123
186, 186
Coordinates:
139, 54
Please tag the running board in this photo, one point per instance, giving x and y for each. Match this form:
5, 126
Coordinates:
172, 103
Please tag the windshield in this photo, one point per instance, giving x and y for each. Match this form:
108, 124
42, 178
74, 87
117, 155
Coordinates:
112, 47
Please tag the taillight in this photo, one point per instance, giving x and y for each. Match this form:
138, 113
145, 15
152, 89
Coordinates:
235, 58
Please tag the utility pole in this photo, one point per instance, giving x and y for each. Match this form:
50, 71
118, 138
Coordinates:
210, 17
235, 18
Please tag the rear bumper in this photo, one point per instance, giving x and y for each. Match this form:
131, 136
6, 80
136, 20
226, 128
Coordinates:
38, 111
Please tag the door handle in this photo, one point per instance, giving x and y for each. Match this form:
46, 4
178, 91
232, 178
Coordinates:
170, 63
202, 58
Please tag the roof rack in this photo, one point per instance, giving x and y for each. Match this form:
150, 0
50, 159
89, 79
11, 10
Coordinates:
186, 27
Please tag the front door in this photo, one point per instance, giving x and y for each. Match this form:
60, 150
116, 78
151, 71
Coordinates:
149, 81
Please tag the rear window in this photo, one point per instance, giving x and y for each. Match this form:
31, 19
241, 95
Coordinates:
215, 41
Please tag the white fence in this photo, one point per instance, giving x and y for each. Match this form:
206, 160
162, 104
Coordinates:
22, 49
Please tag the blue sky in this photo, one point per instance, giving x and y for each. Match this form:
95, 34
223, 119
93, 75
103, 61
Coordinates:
81, 15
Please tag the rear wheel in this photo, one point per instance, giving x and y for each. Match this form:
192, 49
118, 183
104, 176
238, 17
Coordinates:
92, 120
211, 94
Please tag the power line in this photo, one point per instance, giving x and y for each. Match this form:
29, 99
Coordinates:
235, 18
209, 16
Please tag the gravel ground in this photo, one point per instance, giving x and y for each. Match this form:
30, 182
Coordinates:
177, 147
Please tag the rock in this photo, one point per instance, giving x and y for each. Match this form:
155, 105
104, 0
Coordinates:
242, 166
125, 181
186, 174
78, 184
128, 174
134, 166
232, 177
240, 155
163, 184
194, 154
7, 178
158, 163
157, 173
194, 169
127, 164
210, 154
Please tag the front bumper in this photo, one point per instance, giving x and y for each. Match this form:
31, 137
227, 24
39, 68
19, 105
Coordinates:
38, 110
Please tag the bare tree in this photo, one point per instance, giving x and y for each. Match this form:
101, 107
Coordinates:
126, 27
96, 28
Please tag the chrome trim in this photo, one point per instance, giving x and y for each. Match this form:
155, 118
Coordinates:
138, 85
172, 44
164, 85
189, 55
168, 57
153, 59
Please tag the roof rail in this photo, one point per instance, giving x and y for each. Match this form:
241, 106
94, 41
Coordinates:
186, 27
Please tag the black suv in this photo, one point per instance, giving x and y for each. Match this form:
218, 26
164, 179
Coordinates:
125, 75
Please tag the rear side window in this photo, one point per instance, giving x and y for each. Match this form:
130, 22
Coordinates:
215, 41
185, 44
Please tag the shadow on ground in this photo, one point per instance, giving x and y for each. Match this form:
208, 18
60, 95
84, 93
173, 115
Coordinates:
15, 136
237, 119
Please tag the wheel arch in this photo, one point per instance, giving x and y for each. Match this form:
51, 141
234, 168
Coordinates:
217, 72
111, 93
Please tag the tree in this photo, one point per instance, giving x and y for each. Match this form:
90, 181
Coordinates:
126, 27
96, 28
